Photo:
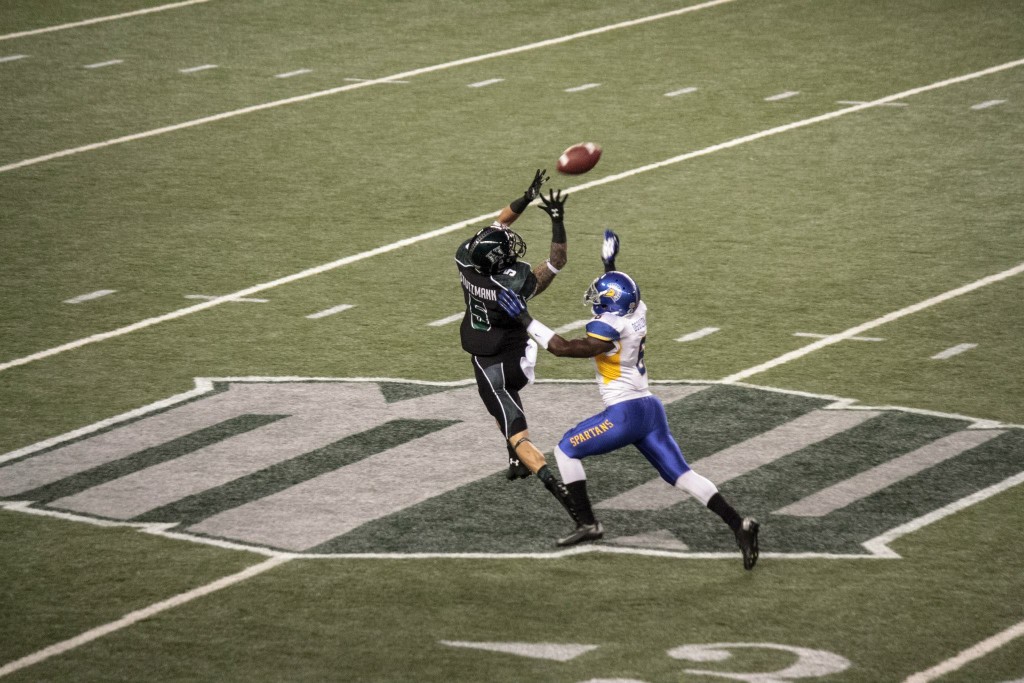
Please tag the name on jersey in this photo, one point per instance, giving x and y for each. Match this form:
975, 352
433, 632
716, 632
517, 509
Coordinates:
587, 434
477, 291
640, 324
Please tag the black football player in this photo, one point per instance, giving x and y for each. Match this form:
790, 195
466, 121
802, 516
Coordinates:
502, 353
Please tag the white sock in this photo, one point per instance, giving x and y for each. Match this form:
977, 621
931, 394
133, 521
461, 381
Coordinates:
571, 469
697, 486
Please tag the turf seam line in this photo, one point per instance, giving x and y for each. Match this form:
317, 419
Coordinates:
140, 614
99, 20
361, 84
408, 241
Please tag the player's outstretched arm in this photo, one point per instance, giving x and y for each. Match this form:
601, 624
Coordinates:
609, 250
518, 205
587, 347
554, 206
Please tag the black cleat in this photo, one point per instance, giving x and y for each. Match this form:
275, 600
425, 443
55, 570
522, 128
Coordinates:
583, 532
746, 539
517, 470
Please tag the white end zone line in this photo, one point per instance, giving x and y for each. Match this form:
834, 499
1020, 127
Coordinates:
316, 270
361, 84
98, 20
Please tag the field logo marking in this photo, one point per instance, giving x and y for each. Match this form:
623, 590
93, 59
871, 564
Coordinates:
377, 467
809, 663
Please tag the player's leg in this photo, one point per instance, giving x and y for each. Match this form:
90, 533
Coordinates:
661, 450
517, 469
499, 384
602, 433
588, 528
531, 456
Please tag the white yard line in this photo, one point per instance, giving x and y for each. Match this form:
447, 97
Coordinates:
953, 351
703, 332
987, 104
969, 655
297, 72
484, 84
100, 65
445, 321
815, 335
12, 58
90, 296
409, 241
585, 86
330, 311
782, 96
574, 325
362, 84
864, 327
887, 104
139, 615
210, 297
194, 69
681, 91
98, 20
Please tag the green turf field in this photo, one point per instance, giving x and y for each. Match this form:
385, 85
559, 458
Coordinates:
239, 439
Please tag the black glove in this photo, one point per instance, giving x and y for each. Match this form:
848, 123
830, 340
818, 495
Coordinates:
538, 179
554, 205
520, 203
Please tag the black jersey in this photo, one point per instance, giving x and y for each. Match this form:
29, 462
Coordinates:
486, 329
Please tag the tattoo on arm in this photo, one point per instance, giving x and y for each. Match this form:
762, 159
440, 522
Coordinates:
544, 278
559, 254
558, 258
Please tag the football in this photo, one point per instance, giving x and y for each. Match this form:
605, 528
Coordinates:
579, 158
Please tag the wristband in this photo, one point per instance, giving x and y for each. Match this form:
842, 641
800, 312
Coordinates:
519, 204
540, 332
554, 271
558, 231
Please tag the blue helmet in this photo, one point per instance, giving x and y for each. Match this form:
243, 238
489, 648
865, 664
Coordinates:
613, 292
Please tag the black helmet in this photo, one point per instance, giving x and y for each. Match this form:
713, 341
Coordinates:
493, 249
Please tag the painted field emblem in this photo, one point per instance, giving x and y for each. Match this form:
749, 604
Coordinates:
388, 467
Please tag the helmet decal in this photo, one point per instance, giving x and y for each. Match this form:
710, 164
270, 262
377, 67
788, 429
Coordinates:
495, 248
613, 292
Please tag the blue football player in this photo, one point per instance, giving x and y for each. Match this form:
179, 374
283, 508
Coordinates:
633, 415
